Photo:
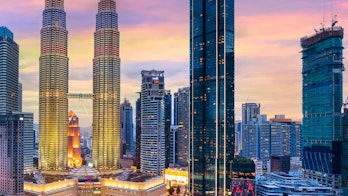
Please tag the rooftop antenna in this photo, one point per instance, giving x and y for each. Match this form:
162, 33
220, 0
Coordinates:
333, 17
323, 21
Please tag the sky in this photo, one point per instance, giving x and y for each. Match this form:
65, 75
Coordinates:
154, 34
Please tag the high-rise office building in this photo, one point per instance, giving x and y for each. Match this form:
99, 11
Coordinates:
137, 133
53, 101
20, 97
12, 128
9, 55
152, 148
74, 144
322, 69
250, 112
211, 95
181, 119
28, 141
127, 134
106, 88
167, 124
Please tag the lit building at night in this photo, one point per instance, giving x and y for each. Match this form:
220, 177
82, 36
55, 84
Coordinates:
152, 145
88, 181
181, 119
74, 146
12, 129
211, 96
53, 101
106, 88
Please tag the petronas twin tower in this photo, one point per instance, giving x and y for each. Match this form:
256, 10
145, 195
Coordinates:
53, 100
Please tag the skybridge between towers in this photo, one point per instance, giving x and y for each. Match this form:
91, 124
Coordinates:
80, 95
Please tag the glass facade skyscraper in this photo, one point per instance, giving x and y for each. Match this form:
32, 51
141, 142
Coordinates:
53, 101
127, 127
106, 88
212, 96
152, 144
322, 130
322, 87
9, 55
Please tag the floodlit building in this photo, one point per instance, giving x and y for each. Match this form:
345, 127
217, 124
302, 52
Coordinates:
53, 101
88, 181
106, 88
74, 145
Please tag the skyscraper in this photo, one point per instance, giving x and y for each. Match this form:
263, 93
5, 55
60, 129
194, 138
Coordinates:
9, 55
127, 126
53, 101
212, 96
137, 133
167, 123
106, 88
181, 118
11, 151
321, 105
20, 97
152, 149
250, 112
74, 146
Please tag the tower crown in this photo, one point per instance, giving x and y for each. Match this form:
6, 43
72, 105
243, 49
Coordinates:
107, 6
59, 4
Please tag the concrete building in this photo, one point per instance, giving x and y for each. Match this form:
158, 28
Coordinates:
279, 184
152, 146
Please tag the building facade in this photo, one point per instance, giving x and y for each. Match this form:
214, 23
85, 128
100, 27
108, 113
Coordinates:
152, 148
137, 133
167, 124
127, 134
9, 55
12, 128
181, 119
211, 96
322, 134
250, 111
53, 101
106, 88
74, 138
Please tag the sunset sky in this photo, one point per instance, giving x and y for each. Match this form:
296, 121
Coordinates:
155, 35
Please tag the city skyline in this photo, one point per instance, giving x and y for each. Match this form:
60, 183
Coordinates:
164, 44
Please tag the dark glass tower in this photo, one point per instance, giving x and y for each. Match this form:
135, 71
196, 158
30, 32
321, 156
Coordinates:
106, 88
212, 96
9, 55
53, 119
322, 130
167, 123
